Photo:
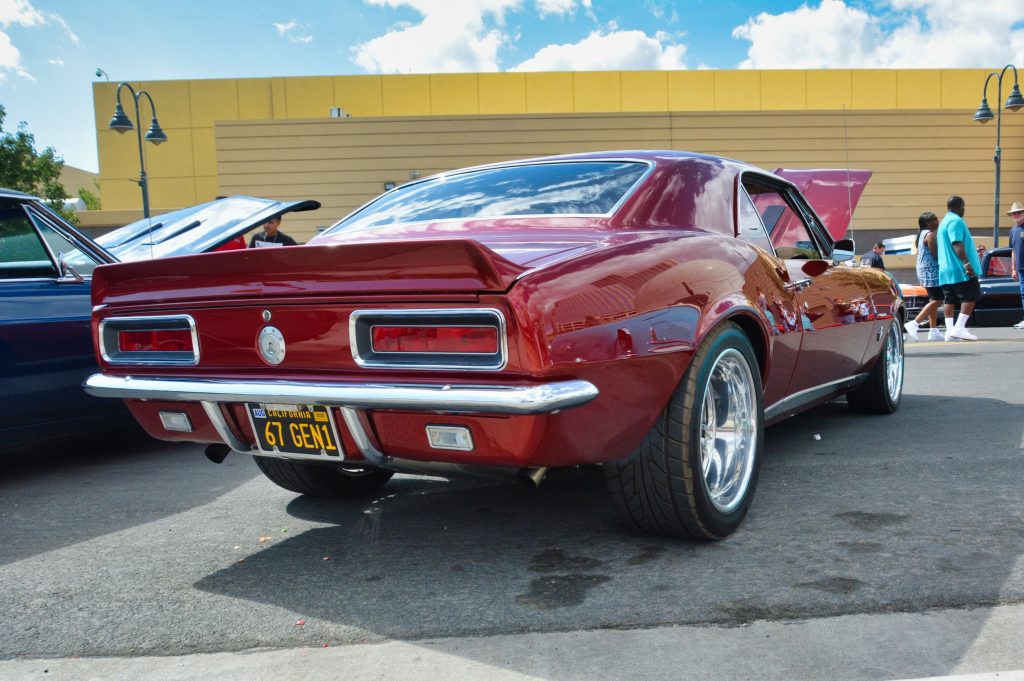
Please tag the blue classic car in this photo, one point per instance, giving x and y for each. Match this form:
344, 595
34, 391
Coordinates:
46, 269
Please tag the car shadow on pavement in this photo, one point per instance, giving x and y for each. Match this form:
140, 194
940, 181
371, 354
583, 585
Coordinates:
901, 513
59, 494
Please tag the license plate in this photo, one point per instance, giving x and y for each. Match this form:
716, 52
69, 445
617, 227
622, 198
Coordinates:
294, 429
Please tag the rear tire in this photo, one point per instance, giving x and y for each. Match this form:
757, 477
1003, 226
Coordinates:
882, 391
319, 480
695, 474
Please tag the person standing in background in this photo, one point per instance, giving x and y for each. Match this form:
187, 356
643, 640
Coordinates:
1016, 212
271, 236
928, 276
958, 270
873, 258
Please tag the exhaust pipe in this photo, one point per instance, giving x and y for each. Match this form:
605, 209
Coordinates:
217, 452
532, 477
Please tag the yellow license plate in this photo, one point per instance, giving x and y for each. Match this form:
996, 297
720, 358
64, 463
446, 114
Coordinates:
294, 429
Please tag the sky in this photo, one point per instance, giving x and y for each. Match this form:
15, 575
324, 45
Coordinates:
50, 49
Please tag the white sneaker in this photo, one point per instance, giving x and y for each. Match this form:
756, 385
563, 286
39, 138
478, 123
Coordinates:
936, 335
957, 333
1019, 325
911, 328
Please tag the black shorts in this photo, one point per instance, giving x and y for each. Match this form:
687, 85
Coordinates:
935, 293
962, 292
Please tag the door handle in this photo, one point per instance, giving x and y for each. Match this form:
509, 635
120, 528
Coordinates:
798, 285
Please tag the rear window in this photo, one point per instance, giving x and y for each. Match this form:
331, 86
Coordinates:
582, 188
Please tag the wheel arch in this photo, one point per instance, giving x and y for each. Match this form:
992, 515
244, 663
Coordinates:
753, 325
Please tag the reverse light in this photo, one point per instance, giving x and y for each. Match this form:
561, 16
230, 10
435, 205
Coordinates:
450, 437
176, 421
168, 340
446, 339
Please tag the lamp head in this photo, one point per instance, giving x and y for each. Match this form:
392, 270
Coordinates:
155, 134
984, 113
1015, 101
120, 121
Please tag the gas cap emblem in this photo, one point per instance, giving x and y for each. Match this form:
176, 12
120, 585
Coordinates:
271, 344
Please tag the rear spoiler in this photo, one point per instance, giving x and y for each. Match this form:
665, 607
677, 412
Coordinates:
442, 266
833, 193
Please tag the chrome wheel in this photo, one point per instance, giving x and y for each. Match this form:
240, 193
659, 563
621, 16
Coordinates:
728, 431
894, 362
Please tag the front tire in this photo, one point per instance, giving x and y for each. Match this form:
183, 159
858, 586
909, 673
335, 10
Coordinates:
319, 480
695, 474
882, 391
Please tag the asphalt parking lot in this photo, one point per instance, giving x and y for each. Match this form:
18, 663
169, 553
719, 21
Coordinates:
134, 548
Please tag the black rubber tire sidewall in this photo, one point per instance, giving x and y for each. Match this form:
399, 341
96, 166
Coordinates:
718, 523
659, 487
872, 396
321, 480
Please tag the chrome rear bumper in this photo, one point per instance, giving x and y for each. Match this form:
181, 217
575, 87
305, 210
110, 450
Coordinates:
542, 398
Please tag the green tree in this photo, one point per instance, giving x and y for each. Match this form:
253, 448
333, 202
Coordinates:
25, 169
92, 199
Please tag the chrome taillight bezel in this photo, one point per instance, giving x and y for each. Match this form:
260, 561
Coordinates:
111, 353
361, 323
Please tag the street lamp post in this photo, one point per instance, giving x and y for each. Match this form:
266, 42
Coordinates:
984, 114
121, 123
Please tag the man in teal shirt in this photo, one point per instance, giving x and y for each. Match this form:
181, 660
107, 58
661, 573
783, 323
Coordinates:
958, 270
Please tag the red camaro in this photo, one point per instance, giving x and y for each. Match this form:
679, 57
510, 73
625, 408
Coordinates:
647, 311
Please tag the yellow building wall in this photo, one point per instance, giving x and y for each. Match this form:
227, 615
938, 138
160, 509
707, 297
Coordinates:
766, 117
918, 157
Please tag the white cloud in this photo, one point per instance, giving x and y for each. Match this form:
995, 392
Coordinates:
909, 34
59, 20
607, 51
454, 36
294, 32
561, 7
56, 61
659, 12
19, 13
22, 13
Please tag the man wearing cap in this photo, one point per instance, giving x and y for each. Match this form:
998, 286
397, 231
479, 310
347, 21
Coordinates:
958, 270
1017, 250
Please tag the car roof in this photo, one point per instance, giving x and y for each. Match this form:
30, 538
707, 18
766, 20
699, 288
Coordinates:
650, 155
12, 194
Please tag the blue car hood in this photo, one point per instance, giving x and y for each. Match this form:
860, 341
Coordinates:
197, 229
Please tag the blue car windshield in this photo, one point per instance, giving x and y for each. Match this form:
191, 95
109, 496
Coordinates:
569, 188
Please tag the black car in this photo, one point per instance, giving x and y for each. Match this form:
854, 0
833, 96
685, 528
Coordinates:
1000, 303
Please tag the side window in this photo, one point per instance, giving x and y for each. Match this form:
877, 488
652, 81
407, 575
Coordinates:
22, 254
58, 243
786, 227
750, 227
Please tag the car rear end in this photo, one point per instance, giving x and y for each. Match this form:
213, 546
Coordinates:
369, 353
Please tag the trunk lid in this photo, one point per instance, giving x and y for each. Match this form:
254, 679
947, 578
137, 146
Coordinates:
400, 268
382, 263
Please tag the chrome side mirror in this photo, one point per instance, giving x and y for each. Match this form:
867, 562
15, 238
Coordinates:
843, 250
67, 272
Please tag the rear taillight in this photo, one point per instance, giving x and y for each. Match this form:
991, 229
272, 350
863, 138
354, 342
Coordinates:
176, 340
429, 339
161, 340
445, 339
